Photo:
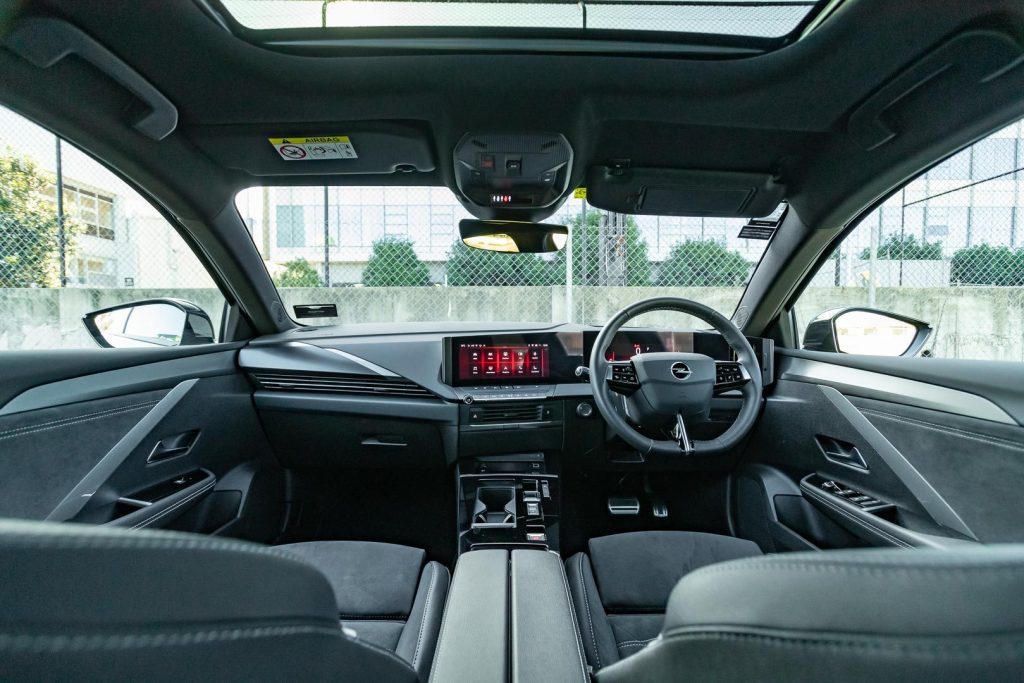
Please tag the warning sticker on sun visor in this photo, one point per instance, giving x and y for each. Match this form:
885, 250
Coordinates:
312, 149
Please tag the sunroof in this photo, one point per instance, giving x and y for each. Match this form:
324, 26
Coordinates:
754, 18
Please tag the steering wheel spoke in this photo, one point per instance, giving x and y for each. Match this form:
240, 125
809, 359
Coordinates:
729, 375
622, 377
681, 436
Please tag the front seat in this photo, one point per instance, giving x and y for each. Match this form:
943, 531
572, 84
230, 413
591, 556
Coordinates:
385, 594
845, 615
86, 602
620, 590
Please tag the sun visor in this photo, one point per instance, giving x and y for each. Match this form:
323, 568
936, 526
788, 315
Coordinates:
317, 149
680, 192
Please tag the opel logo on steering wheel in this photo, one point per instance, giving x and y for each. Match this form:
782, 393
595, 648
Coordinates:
680, 370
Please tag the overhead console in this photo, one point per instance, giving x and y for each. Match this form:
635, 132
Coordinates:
505, 175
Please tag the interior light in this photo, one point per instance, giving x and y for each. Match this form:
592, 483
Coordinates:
498, 241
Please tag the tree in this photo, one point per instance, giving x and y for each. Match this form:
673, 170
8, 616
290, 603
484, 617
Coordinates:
394, 263
905, 248
702, 263
298, 273
28, 226
987, 265
469, 267
586, 253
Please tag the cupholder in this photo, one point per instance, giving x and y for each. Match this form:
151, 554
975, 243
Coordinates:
494, 507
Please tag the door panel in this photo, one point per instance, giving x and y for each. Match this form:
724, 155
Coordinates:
975, 465
850, 452
45, 452
187, 453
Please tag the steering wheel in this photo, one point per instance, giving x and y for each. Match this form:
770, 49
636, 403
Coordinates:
651, 390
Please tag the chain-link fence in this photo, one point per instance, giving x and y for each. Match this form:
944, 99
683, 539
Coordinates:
353, 242
74, 237
947, 249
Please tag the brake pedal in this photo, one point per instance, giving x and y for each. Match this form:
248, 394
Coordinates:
624, 506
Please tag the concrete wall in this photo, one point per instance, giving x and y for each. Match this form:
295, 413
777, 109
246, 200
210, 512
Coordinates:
52, 318
981, 322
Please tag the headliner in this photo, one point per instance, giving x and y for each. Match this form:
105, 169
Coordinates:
782, 111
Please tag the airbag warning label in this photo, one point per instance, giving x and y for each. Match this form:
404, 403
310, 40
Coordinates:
312, 149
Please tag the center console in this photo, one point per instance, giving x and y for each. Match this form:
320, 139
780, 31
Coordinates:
509, 617
508, 501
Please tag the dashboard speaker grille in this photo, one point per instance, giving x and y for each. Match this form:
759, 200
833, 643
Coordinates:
366, 385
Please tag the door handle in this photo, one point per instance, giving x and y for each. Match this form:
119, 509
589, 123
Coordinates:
173, 446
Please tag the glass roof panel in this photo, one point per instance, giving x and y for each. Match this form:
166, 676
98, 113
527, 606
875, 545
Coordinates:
753, 18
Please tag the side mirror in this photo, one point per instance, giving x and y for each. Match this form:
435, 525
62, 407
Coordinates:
513, 236
150, 323
866, 332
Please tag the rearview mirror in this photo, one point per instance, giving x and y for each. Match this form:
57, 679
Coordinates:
150, 323
513, 236
866, 332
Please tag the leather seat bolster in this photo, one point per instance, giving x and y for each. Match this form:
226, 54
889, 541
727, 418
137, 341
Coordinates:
369, 579
419, 635
897, 592
173, 578
83, 602
595, 630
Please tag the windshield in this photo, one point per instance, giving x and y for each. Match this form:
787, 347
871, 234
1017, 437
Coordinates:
392, 254
733, 17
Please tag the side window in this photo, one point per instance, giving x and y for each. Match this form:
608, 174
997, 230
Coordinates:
946, 250
75, 240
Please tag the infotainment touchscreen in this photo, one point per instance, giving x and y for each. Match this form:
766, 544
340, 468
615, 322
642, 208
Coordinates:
517, 358
484, 361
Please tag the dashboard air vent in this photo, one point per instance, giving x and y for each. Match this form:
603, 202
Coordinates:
505, 414
367, 385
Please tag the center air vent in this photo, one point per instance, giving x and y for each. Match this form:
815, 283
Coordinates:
506, 414
367, 385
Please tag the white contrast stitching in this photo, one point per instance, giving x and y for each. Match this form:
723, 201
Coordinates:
68, 421
636, 643
423, 617
84, 642
950, 647
575, 627
590, 618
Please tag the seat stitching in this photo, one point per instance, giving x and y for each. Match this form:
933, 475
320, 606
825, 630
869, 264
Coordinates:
100, 541
590, 618
942, 645
575, 627
423, 617
68, 421
440, 633
1011, 571
636, 642
77, 642
371, 617
974, 436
